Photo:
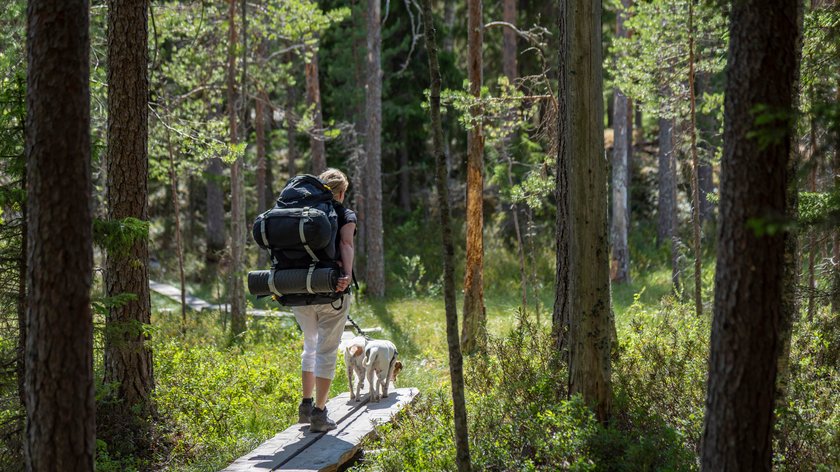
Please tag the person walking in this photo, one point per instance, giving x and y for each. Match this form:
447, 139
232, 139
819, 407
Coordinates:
322, 325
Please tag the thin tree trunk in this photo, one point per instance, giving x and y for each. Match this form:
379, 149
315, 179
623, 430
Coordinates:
695, 167
313, 99
22, 305
359, 164
179, 247
462, 444
215, 211
514, 210
292, 152
60, 432
237, 233
835, 242
373, 140
262, 197
706, 129
667, 228
812, 237
749, 315
474, 322
622, 145
589, 283
509, 41
449, 22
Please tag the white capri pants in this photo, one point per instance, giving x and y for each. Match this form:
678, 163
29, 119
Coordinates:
322, 326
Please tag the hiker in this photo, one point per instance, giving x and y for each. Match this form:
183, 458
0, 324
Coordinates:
322, 325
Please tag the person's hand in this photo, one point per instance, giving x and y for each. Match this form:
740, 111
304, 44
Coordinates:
343, 283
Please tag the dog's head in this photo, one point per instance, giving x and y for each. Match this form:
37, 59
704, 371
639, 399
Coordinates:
397, 368
356, 347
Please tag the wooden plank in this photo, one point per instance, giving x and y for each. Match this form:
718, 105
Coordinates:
284, 446
197, 304
338, 446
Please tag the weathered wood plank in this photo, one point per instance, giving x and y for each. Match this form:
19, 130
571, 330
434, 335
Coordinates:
286, 445
336, 447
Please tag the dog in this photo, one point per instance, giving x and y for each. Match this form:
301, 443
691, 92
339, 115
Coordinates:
381, 362
355, 362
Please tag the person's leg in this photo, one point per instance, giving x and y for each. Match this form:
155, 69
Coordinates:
330, 326
308, 321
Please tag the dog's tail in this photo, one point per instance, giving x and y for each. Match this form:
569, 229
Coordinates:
369, 357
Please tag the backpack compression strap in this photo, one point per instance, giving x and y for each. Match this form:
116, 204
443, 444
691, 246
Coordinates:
305, 245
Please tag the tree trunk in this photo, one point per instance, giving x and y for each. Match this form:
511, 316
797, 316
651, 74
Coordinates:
561, 318
373, 203
179, 246
22, 305
127, 358
237, 210
667, 209
589, 283
262, 197
509, 41
835, 238
313, 99
215, 211
695, 167
449, 22
622, 146
706, 130
60, 432
474, 324
748, 307
292, 152
462, 444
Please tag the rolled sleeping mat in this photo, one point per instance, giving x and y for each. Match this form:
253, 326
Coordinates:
288, 281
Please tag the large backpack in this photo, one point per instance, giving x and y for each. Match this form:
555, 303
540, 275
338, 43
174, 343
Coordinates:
300, 232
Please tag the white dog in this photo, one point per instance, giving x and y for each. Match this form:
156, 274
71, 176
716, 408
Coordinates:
355, 362
381, 361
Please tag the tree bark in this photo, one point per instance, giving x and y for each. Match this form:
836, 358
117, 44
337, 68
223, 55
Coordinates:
561, 318
695, 167
449, 22
373, 140
60, 430
589, 283
835, 239
262, 196
755, 172
462, 444
622, 146
313, 99
706, 131
215, 211
667, 207
179, 245
128, 360
509, 41
475, 319
237, 210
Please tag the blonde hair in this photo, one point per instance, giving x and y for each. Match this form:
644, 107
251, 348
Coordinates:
336, 180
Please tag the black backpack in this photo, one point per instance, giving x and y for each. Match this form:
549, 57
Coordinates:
300, 232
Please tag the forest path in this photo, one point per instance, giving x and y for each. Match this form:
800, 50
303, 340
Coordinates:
197, 304
298, 449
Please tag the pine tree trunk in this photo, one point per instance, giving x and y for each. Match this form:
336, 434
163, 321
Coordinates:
835, 239
620, 252
449, 22
462, 444
22, 306
667, 209
262, 196
509, 41
706, 130
127, 358
179, 246
589, 283
749, 282
695, 168
292, 152
215, 211
313, 99
60, 432
373, 203
237, 210
474, 324
561, 318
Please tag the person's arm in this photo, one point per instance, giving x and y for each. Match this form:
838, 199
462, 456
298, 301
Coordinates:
348, 252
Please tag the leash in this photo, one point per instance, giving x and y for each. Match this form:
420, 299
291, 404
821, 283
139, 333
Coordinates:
358, 328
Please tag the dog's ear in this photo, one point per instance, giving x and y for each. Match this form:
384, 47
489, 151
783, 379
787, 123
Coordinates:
356, 350
397, 368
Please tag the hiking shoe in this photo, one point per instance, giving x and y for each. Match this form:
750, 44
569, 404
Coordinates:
304, 410
319, 422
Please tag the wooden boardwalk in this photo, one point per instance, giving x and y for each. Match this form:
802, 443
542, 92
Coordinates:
197, 304
296, 449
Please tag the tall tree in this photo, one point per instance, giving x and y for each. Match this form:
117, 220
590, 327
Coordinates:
128, 360
667, 206
237, 204
456, 372
59, 347
475, 318
313, 100
622, 145
215, 211
748, 314
375, 270
586, 199
509, 40
695, 168
561, 318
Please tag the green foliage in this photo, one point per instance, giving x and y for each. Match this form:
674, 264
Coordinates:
117, 236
